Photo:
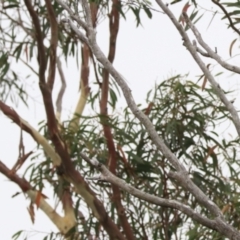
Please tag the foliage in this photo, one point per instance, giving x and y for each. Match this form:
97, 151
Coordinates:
186, 116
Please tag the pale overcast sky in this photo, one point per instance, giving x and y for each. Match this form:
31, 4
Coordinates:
145, 55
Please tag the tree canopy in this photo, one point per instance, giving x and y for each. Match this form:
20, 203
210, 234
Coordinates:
156, 170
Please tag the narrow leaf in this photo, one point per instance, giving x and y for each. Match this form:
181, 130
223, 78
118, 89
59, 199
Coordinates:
185, 8
31, 212
211, 19
38, 198
231, 46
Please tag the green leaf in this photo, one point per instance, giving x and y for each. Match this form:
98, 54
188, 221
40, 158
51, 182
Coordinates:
17, 235
147, 11
18, 50
175, 1
11, 6
136, 12
113, 98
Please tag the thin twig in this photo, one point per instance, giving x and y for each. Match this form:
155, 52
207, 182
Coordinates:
19, 23
188, 184
205, 54
217, 88
24, 125
229, 230
61, 92
20, 162
227, 15
73, 15
64, 224
73, 175
106, 175
211, 53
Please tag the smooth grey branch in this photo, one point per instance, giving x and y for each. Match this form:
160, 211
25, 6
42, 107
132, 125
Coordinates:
211, 53
222, 226
109, 177
229, 230
158, 141
80, 35
192, 49
202, 52
199, 49
72, 14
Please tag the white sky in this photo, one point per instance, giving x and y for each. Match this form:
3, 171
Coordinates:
145, 55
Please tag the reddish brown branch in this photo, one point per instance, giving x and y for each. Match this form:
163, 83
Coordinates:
64, 224
10, 113
85, 68
149, 108
84, 76
94, 11
20, 162
112, 157
68, 171
106, 222
39, 38
67, 168
45, 89
113, 27
53, 44
84, 88
86, 53
21, 182
65, 195
15, 117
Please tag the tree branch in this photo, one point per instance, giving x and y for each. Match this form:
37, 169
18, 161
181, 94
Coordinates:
69, 173
192, 49
188, 184
53, 44
24, 125
39, 38
216, 224
210, 52
45, 89
227, 15
199, 50
126, 91
20, 161
80, 35
64, 224
84, 88
73, 15
112, 156
84, 75
61, 92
